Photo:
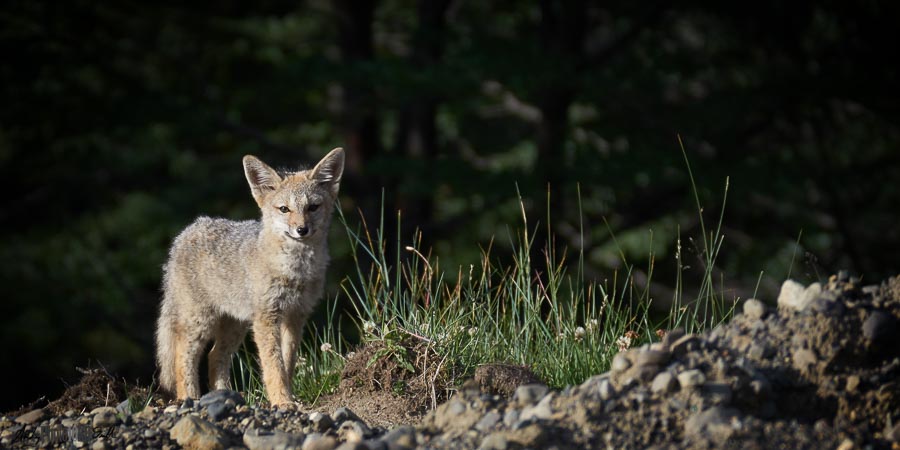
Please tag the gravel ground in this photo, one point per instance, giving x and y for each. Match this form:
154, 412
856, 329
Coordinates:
819, 370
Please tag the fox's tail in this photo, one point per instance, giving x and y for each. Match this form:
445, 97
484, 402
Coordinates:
165, 347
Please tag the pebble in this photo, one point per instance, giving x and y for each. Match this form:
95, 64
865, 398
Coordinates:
31, 416
193, 432
341, 414
488, 421
318, 441
405, 437
220, 396
256, 439
664, 383
795, 297
511, 417
714, 423
852, 383
879, 325
353, 431
803, 359
754, 309
606, 389
528, 394
620, 363
653, 357
218, 411
105, 416
320, 422
494, 441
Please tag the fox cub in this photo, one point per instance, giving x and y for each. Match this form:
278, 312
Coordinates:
225, 277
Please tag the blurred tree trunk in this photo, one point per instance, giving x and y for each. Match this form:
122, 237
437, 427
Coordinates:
417, 133
357, 113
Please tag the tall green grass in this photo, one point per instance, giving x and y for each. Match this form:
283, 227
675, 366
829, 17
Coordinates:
563, 326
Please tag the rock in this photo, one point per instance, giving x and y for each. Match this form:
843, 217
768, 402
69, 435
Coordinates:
528, 394
320, 422
124, 407
754, 309
671, 337
852, 383
105, 416
192, 432
317, 441
664, 383
795, 297
218, 411
32, 416
256, 439
220, 396
620, 363
511, 417
147, 414
716, 423
803, 359
531, 436
685, 344
540, 411
401, 438
342, 414
150, 433
653, 357
878, 326
606, 389
892, 432
717, 393
171, 409
100, 444
353, 431
488, 421
494, 441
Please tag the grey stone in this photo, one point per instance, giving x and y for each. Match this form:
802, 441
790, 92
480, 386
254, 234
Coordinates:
343, 413
540, 411
686, 343
879, 325
488, 421
193, 432
353, 431
219, 411
715, 423
124, 407
664, 383
653, 357
620, 363
606, 389
402, 437
320, 422
32, 416
511, 417
150, 433
852, 383
672, 336
100, 444
717, 393
528, 394
220, 396
318, 441
256, 439
754, 309
495, 441
104, 416
803, 358
795, 297
455, 408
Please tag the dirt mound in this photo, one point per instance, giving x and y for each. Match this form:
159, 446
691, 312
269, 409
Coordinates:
391, 382
820, 371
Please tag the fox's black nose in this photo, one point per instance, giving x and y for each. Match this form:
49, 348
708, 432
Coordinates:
302, 231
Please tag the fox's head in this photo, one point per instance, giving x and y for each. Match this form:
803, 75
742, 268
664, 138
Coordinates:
296, 205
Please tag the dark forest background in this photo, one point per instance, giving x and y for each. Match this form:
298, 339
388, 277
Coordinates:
122, 121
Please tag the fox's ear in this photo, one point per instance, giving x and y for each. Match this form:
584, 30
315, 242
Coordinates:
262, 178
330, 169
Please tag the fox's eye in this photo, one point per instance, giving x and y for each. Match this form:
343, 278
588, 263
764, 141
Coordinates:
312, 208
284, 209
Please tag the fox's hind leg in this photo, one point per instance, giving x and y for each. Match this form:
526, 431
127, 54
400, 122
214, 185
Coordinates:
228, 335
189, 347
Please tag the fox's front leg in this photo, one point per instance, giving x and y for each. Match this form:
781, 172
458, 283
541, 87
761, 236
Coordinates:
267, 334
291, 332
